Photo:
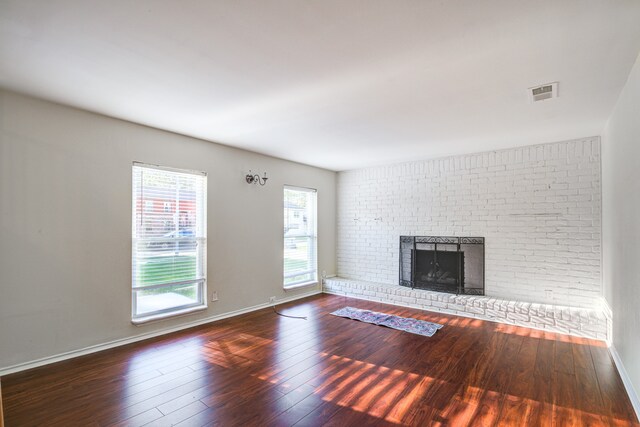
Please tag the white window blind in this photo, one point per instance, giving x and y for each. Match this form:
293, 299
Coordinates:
300, 236
169, 239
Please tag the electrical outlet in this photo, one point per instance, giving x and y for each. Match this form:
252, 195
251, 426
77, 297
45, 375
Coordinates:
548, 293
214, 296
272, 300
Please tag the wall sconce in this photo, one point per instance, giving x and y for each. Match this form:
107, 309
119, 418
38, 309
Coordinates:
256, 179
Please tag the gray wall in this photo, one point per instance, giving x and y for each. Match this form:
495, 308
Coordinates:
621, 223
65, 225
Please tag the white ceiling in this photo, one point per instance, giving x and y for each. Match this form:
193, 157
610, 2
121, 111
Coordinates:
333, 83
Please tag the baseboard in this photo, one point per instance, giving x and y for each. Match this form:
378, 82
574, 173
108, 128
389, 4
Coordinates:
120, 342
628, 385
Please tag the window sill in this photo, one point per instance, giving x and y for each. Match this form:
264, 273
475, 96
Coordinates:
153, 318
300, 285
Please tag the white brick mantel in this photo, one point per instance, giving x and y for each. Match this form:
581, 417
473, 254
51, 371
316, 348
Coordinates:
590, 323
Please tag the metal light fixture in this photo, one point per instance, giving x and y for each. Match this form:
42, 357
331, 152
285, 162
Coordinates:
256, 179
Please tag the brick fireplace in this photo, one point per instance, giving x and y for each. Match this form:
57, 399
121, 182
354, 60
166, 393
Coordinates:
443, 264
537, 208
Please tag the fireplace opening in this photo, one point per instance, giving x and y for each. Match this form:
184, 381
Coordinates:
443, 264
440, 269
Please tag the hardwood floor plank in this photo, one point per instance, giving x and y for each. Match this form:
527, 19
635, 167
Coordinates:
518, 402
261, 369
616, 403
589, 400
140, 419
471, 386
487, 409
319, 416
179, 415
298, 411
563, 358
545, 359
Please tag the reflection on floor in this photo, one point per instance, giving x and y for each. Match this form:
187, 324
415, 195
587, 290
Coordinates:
262, 369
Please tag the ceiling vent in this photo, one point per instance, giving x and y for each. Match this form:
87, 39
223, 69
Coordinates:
540, 93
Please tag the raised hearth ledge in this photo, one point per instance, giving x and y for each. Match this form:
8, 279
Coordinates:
581, 322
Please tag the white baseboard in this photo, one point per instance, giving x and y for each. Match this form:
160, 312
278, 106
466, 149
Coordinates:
116, 343
628, 385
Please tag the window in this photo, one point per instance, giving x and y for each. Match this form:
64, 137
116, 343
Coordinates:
169, 241
300, 240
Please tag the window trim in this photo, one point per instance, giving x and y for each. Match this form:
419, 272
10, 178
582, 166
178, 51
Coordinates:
201, 283
314, 240
155, 317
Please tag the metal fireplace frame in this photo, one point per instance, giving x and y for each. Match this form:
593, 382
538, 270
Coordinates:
435, 240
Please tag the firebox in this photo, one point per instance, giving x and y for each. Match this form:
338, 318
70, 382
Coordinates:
443, 264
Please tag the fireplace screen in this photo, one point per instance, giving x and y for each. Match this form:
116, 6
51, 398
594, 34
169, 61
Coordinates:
443, 264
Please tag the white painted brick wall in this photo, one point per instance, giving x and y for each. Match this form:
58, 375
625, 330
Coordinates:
538, 208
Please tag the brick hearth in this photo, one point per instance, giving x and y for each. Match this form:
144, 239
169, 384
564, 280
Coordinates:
582, 322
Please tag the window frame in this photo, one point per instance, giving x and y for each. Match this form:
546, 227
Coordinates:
313, 239
200, 257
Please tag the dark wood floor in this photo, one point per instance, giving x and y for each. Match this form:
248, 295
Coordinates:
262, 369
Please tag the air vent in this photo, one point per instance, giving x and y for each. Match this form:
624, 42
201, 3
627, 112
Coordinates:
540, 93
